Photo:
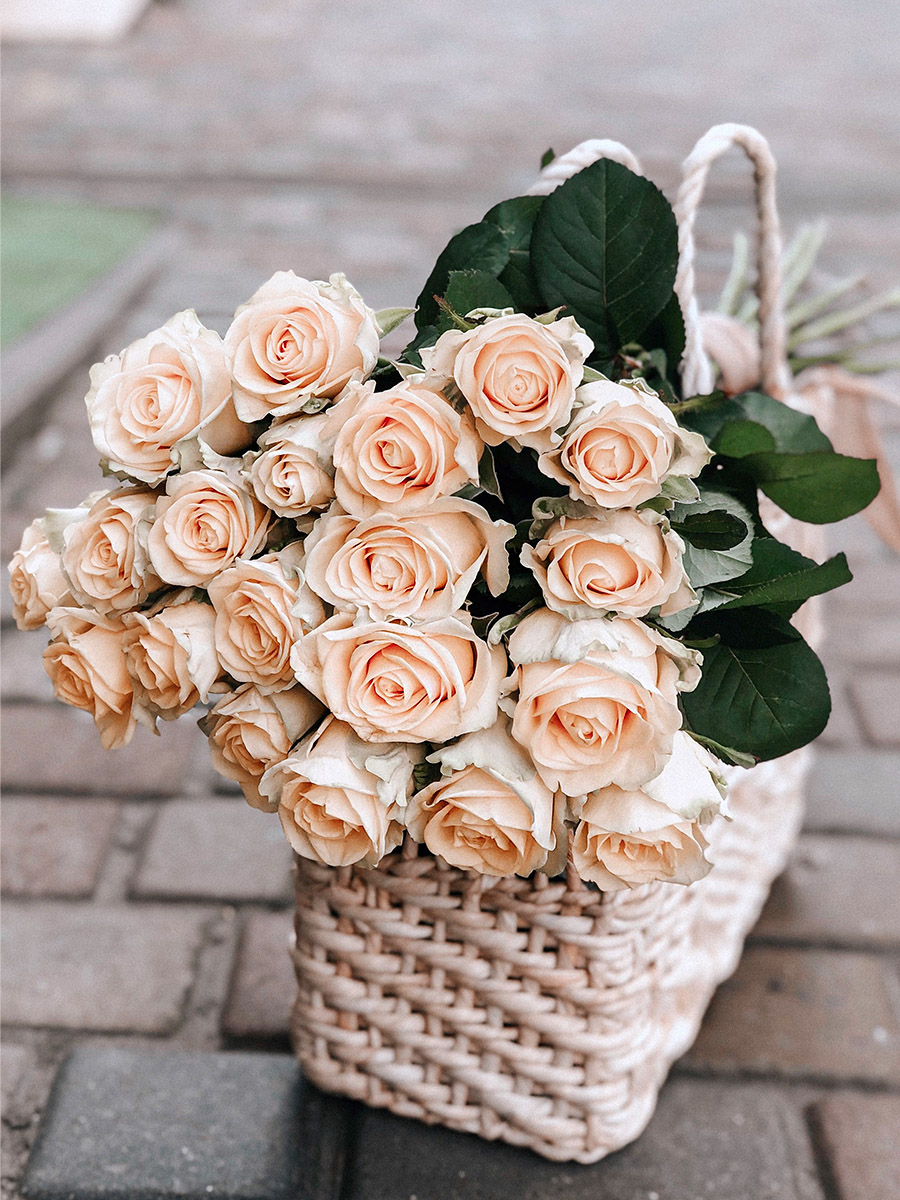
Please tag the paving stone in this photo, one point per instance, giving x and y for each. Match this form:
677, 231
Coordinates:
148, 1125
263, 984
113, 969
13, 1061
54, 847
877, 698
803, 1013
843, 727
707, 1139
221, 848
50, 747
859, 1137
838, 891
24, 677
855, 790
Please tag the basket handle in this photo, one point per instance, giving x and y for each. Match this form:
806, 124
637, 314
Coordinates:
696, 369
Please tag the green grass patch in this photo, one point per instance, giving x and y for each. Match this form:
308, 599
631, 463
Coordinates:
52, 250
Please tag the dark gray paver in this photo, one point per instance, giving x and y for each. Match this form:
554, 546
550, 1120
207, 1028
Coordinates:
147, 1125
54, 847
222, 849
103, 968
855, 790
707, 1141
858, 1136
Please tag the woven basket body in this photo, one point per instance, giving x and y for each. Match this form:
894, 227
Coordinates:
520, 1009
543, 1012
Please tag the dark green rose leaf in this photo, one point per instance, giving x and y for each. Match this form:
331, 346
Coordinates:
713, 530
467, 290
791, 432
737, 439
783, 577
515, 219
817, 487
763, 691
481, 247
605, 245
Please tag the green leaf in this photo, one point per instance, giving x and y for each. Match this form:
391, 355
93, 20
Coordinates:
481, 247
817, 487
781, 576
515, 219
467, 290
387, 319
714, 529
605, 245
726, 753
487, 474
547, 157
791, 431
762, 690
705, 565
665, 333
737, 439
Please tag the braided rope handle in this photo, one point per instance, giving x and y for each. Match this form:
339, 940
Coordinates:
696, 368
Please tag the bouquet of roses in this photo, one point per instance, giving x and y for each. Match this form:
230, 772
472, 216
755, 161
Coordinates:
509, 594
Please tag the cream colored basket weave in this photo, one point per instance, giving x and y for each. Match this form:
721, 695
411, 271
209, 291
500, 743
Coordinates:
539, 1011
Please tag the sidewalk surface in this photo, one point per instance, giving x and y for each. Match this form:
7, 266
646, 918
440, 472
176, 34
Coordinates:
147, 907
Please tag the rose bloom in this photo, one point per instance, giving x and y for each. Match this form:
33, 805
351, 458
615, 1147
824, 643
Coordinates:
597, 699
401, 449
86, 664
393, 682
36, 581
261, 611
202, 524
295, 340
519, 375
622, 446
489, 812
103, 560
171, 658
249, 731
619, 561
289, 474
341, 800
171, 385
417, 566
628, 838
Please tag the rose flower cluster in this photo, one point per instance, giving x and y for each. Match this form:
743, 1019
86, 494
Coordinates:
296, 540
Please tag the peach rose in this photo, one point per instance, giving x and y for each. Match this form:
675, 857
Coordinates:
417, 566
262, 610
250, 731
171, 658
392, 682
489, 812
290, 474
202, 524
297, 340
622, 446
628, 838
597, 699
36, 581
401, 449
86, 664
519, 375
341, 800
103, 560
619, 561
171, 385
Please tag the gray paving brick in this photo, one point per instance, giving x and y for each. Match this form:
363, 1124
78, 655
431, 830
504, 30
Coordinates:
858, 1135
804, 1013
263, 984
13, 1062
54, 847
54, 748
877, 698
149, 1125
111, 969
217, 848
707, 1139
855, 790
836, 891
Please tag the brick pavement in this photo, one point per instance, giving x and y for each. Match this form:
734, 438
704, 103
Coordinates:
146, 906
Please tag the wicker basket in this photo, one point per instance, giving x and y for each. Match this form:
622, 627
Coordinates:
541, 1012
